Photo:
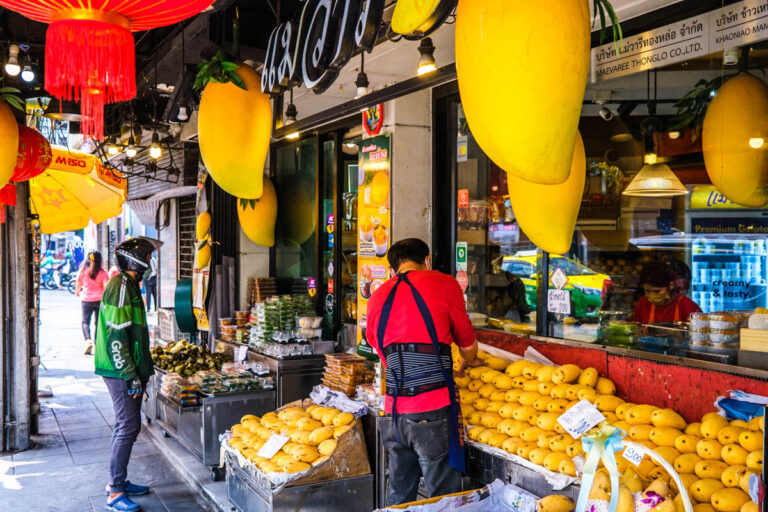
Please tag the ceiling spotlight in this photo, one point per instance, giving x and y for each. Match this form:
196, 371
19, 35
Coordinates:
12, 67
606, 113
182, 115
756, 142
673, 134
427, 60
112, 148
130, 151
27, 73
291, 112
292, 136
155, 151
362, 79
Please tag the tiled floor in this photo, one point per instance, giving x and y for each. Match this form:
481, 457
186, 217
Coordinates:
67, 468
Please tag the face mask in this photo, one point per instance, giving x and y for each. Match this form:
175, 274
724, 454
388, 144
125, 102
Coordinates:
657, 298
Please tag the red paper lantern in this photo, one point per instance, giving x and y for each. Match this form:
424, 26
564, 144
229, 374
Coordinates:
89, 49
34, 155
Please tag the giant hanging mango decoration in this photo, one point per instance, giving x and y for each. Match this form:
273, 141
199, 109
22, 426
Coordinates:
9, 143
522, 68
257, 216
547, 213
234, 129
736, 119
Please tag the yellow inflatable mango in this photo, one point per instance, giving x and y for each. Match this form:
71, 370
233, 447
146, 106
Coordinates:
737, 116
555, 503
234, 130
547, 213
545, 80
9, 143
258, 216
729, 500
297, 215
667, 418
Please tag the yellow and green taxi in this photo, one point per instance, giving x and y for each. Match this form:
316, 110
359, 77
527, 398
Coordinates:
585, 285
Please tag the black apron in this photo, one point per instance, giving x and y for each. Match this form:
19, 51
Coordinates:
426, 374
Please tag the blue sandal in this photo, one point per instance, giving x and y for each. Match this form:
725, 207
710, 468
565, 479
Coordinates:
121, 504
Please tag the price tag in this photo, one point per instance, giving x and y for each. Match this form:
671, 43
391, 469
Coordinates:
633, 455
242, 354
272, 446
580, 418
559, 301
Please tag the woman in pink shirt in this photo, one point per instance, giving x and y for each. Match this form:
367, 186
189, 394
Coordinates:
91, 280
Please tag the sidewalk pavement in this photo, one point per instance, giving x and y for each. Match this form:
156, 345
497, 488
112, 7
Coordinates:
68, 467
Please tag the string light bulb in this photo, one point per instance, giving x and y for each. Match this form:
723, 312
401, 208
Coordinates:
12, 67
112, 148
427, 62
155, 151
182, 116
27, 73
130, 151
756, 142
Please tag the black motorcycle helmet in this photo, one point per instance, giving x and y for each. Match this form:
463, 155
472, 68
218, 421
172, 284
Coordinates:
134, 254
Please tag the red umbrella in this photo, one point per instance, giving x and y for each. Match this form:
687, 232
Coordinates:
89, 50
33, 159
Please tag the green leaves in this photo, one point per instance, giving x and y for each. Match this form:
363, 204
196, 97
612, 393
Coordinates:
11, 96
692, 107
218, 69
604, 8
248, 203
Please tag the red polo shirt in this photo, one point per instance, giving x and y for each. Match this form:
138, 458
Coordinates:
678, 310
445, 301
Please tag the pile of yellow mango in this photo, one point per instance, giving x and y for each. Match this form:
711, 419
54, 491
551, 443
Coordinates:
314, 432
515, 407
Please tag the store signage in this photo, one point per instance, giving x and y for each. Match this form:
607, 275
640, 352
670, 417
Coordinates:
729, 225
462, 148
373, 225
373, 119
558, 278
463, 279
580, 419
314, 51
463, 196
461, 256
736, 25
708, 197
312, 287
559, 302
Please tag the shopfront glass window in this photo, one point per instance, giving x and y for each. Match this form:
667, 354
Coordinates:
296, 181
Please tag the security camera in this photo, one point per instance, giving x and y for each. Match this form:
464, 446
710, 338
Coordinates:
606, 113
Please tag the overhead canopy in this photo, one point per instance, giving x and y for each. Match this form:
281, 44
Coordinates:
145, 209
74, 190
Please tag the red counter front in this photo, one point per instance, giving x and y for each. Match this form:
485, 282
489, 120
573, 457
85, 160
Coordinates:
688, 386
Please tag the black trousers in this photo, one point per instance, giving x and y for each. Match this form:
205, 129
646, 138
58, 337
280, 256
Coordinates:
421, 451
90, 309
150, 287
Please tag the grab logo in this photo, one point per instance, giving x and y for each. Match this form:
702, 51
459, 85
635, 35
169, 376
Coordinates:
116, 359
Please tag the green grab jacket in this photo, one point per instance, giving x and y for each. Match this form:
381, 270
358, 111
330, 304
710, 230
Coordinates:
122, 336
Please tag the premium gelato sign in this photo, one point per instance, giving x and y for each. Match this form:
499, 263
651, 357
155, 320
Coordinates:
730, 27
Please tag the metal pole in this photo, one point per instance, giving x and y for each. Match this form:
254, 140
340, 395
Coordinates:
542, 296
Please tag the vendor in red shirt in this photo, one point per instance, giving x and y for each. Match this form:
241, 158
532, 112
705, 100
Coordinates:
662, 301
412, 320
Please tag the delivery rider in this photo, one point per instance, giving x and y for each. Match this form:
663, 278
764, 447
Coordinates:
412, 321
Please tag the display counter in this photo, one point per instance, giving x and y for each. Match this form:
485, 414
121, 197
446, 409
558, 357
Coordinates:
686, 385
295, 376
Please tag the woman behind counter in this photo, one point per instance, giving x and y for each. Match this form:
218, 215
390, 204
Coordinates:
662, 301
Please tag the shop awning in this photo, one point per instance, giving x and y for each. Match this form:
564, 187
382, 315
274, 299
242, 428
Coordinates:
146, 209
74, 190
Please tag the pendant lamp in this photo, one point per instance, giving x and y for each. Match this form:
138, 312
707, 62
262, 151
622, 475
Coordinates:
89, 48
655, 180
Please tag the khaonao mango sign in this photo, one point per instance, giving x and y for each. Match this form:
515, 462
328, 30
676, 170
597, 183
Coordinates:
314, 50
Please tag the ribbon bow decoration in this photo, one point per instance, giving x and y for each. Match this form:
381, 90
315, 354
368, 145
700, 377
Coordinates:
601, 443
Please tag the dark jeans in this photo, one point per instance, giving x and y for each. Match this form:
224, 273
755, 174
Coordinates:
90, 309
127, 428
423, 449
150, 288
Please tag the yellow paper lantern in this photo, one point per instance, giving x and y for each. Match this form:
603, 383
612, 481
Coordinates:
736, 120
234, 128
547, 213
522, 68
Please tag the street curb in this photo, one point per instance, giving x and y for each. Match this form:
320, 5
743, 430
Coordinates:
169, 451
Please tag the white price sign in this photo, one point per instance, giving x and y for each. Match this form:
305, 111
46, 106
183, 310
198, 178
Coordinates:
272, 446
580, 418
559, 301
633, 454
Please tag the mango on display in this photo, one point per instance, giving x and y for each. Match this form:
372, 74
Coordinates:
234, 130
547, 213
515, 52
